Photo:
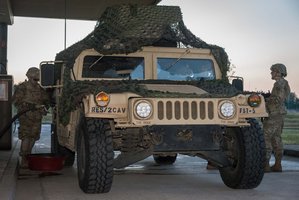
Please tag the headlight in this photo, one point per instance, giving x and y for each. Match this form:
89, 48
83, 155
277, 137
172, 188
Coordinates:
143, 109
254, 100
227, 109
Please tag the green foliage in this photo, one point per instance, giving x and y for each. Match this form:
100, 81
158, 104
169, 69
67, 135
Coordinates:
290, 134
292, 102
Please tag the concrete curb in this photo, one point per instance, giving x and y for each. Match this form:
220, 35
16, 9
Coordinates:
291, 152
8, 180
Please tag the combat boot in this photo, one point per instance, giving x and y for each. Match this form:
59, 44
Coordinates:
277, 166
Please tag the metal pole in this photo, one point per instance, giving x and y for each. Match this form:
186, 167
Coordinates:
3, 48
65, 24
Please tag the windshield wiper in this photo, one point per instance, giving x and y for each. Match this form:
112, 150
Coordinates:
95, 62
175, 62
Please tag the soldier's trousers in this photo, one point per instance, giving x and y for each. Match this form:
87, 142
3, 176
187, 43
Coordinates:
30, 125
272, 131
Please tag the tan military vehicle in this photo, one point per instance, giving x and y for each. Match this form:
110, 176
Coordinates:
116, 109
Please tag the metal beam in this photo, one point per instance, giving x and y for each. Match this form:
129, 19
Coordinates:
6, 15
75, 9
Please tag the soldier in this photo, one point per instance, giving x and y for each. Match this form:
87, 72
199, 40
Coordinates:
30, 95
273, 125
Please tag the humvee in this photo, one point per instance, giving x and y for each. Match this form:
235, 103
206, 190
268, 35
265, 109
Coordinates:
114, 109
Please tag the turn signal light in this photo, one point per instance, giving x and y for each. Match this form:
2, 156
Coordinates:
254, 100
102, 99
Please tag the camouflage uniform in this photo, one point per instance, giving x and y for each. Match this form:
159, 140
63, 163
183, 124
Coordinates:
28, 95
273, 125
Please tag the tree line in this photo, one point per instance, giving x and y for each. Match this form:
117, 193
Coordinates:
292, 102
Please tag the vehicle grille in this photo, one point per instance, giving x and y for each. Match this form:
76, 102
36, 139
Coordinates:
185, 110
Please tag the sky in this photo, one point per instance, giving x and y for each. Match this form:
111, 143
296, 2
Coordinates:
255, 34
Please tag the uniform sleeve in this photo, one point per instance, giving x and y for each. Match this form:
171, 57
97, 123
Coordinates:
279, 94
18, 95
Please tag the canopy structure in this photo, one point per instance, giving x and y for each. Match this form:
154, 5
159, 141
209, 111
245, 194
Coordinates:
60, 9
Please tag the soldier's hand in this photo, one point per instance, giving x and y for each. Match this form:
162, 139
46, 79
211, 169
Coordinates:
44, 111
266, 95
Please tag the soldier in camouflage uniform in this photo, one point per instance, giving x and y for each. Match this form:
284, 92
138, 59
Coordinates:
30, 95
273, 125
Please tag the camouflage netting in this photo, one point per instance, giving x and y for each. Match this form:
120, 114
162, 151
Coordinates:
125, 29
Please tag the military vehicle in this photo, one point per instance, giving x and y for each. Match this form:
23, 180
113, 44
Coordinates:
149, 87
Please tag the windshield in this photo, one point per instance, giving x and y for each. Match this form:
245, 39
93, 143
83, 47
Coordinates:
185, 69
113, 67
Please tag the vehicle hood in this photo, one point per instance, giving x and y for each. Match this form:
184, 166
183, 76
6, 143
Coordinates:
170, 88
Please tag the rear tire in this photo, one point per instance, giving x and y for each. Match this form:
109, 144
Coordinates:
95, 156
69, 155
247, 155
164, 160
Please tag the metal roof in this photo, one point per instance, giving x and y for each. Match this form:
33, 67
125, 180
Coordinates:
60, 9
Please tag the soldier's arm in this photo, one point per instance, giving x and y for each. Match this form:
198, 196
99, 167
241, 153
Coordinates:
277, 95
45, 97
18, 95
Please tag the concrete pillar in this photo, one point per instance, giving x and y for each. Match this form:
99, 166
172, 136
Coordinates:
6, 83
3, 48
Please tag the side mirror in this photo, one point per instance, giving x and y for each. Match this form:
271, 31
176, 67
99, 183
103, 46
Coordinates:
47, 73
238, 83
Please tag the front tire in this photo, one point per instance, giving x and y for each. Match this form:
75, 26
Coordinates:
95, 156
246, 152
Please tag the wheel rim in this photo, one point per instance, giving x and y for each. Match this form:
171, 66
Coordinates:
232, 150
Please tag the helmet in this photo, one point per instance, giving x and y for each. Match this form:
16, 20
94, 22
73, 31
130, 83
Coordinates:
280, 68
33, 73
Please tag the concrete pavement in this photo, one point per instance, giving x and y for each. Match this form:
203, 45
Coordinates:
8, 171
9, 164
